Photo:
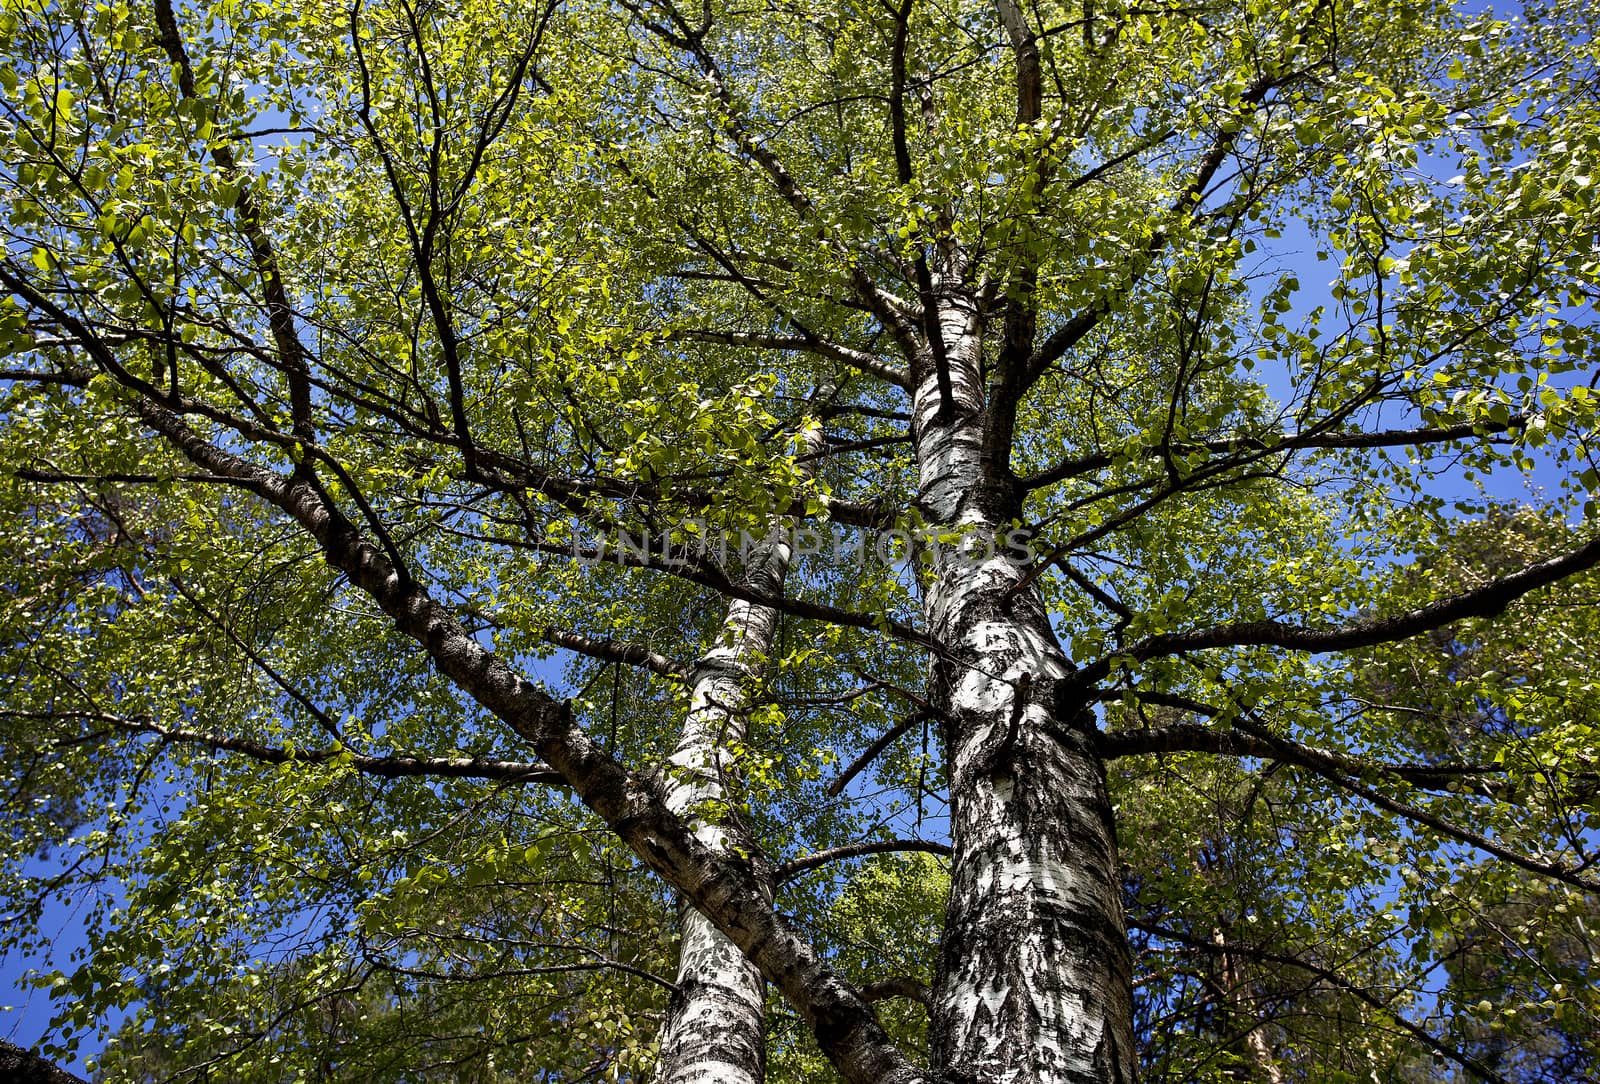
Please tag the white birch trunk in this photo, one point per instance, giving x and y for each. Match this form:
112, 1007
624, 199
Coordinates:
715, 1032
1266, 1066
1034, 974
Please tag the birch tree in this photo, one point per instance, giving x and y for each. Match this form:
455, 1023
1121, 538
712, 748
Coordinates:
399, 403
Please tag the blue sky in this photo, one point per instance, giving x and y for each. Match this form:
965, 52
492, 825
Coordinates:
26, 1013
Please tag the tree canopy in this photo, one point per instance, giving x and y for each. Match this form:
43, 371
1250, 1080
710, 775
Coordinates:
905, 542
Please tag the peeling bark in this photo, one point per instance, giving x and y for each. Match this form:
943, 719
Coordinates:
1034, 981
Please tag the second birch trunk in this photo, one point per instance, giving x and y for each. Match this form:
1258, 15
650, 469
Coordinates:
715, 1029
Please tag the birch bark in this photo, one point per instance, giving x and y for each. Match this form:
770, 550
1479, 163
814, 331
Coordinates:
843, 1024
715, 1032
1034, 974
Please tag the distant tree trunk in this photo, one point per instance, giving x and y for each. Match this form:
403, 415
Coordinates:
714, 1032
1034, 972
1255, 1050
1262, 1063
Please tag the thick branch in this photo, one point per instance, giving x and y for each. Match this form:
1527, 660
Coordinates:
691, 40
682, 565
1332, 772
19, 1066
1072, 332
1025, 51
602, 964
899, 986
1200, 738
613, 651
811, 344
897, 94
872, 752
1388, 438
632, 807
1485, 601
387, 767
280, 313
504, 472
789, 870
